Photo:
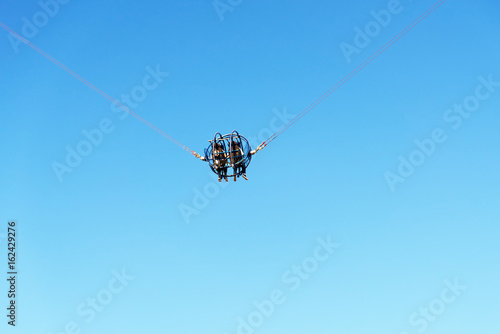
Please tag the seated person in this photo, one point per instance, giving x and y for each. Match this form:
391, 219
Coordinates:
219, 158
237, 157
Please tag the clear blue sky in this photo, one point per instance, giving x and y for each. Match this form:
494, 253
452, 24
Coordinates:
402, 244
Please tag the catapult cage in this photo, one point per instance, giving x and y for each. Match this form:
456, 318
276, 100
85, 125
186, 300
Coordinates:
228, 151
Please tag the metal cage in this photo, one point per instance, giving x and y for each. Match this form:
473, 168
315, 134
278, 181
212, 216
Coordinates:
230, 151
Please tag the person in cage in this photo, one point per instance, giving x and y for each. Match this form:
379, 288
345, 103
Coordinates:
219, 158
237, 157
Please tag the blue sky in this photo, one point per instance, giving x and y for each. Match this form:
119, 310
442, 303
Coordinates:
139, 237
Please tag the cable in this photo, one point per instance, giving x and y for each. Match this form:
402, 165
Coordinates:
279, 131
116, 102
353, 73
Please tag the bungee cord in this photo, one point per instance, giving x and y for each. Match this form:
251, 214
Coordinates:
99, 91
275, 134
352, 74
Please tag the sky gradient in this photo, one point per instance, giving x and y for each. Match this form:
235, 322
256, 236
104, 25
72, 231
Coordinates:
375, 213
